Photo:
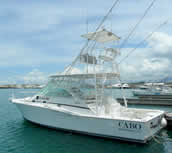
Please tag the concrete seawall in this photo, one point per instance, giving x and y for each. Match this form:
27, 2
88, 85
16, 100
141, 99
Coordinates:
18, 86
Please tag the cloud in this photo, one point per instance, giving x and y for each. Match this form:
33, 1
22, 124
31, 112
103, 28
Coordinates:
150, 63
161, 44
155, 65
14, 55
36, 34
35, 76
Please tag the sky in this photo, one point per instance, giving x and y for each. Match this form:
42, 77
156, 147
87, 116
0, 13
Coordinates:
40, 38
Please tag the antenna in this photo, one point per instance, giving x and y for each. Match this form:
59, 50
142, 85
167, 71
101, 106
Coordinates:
137, 24
148, 36
86, 22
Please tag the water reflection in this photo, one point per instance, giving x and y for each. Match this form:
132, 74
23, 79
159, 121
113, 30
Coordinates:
20, 136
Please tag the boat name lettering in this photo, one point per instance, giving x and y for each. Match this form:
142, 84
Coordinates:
129, 125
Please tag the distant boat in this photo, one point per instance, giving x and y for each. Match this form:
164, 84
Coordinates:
118, 85
143, 87
125, 85
160, 90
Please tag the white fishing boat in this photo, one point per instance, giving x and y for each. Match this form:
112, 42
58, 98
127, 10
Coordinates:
154, 91
80, 103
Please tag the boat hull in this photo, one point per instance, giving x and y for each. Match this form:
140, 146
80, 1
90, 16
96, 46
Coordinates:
91, 134
110, 128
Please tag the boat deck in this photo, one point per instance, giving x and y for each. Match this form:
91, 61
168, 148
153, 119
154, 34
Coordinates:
122, 113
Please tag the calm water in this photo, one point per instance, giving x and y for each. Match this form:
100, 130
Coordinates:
20, 136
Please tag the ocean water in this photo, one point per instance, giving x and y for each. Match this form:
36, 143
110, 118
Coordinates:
20, 136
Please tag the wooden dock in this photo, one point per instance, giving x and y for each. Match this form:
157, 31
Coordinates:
155, 96
146, 101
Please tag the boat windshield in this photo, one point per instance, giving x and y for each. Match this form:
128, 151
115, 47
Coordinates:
59, 88
51, 90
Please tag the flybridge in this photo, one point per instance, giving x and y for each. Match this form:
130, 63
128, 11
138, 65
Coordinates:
102, 36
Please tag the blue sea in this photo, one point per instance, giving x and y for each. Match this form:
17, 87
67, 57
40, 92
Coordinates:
20, 136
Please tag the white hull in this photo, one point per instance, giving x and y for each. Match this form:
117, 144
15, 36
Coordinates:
45, 115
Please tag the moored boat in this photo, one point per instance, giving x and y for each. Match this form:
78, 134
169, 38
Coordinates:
154, 92
79, 103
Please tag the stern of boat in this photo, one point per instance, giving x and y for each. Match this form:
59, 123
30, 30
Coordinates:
153, 126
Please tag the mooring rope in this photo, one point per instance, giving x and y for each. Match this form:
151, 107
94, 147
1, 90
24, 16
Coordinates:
163, 138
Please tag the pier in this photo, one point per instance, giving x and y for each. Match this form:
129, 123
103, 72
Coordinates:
19, 86
147, 101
